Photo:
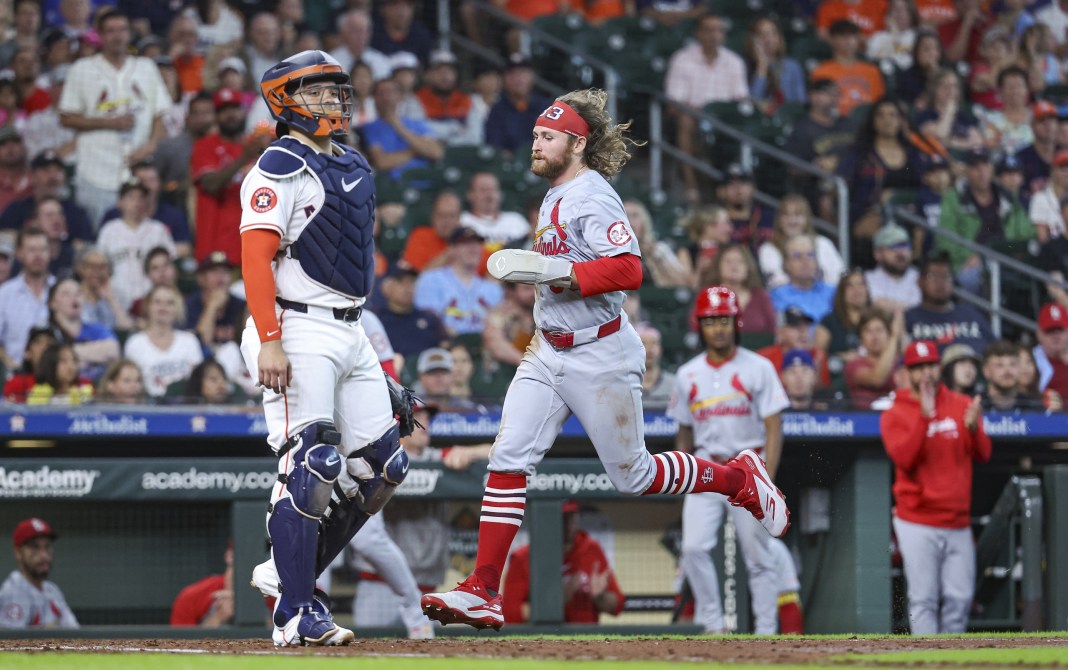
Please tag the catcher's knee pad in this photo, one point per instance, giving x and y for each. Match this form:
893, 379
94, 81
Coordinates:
389, 466
316, 466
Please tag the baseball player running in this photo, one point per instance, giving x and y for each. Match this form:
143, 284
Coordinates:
727, 401
586, 358
307, 260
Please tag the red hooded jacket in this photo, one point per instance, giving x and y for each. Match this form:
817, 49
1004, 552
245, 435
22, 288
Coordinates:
933, 458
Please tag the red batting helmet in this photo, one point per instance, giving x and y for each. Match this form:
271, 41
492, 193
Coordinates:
716, 301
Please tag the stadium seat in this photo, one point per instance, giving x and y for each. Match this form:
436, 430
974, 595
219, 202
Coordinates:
754, 341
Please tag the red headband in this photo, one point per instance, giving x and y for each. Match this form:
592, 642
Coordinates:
561, 116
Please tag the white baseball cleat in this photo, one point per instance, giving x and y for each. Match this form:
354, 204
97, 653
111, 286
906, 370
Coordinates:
759, 495
469, 603
521, 266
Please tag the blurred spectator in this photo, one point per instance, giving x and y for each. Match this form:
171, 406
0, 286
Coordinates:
985, 83
57, 381
803, 288
434, 386
113, 130
18, 385
1014, 17
167, 214
405, 70
160, 269
396, 144
511, 118
1001, 370
27, 598
752, 223
867, 16
795, 332
164, 353
7, 256
43, 130
10, 113
589, 583
658, 383
48, 216
1009, 129
48, 179
660, 266
1008, 174
24, 297
774, 77
980, 211
126, 241
937, 179
945, 116
1055, 16
95, 344
263, 46
217, 24
1029, 377
928, 56
793, 218
410, 330
14, 168
215, 315
426, 245
932, 435
1037, 158
121, 383
882, 161
1045, 208
456, 292
485, 92
709, 228
735, 268
510, 325
218, 164
837, 333
209, 384
484, 215
860, 83
363, 101
186, 56
960, 369
894, 283
1036, 56
25, 28
869, 375
938, 317
820, 137
1051, 353
447, 106
799, 379
355, 27
463, 369
208, 602
670, 14
174, 153
963, 35
893, 44
399, 30
26, 71
701, 72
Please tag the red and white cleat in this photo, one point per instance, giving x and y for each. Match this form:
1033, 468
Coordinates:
759, 495
469, 603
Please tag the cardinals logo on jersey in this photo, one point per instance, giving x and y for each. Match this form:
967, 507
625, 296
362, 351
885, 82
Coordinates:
553, 246
736, 384
736, 402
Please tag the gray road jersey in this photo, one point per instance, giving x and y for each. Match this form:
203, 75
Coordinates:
581, 220
23, 605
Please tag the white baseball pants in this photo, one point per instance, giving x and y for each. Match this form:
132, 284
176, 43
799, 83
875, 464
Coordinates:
940, 570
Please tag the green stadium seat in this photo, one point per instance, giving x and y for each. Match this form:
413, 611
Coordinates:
472, 158
754, 341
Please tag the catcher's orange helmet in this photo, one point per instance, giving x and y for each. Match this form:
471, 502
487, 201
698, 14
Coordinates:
280, 83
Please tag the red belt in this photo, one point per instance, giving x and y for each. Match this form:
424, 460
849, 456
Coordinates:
563, 340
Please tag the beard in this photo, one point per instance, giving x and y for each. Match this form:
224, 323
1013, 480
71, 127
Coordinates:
232, 128
548, 168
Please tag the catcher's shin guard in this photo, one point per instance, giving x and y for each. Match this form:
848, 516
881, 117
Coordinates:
294, 521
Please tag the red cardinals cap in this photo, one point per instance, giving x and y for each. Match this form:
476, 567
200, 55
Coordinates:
716, 301
31, 528
1043, 109
569, 506
1052, 317
921, 352
226, 96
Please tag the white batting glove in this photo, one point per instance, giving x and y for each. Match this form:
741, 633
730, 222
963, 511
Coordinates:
521, 266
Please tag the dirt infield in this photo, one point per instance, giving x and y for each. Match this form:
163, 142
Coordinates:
756, 651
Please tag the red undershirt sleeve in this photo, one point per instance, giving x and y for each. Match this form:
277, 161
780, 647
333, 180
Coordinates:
611, 273
258, 248
390, 368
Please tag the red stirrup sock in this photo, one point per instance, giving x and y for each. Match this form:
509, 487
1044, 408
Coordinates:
503, 505
679, 473
791, 621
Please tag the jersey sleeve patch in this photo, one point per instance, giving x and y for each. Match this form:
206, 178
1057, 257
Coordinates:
618, 234
263, 200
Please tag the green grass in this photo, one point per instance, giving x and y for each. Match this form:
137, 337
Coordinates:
988, 656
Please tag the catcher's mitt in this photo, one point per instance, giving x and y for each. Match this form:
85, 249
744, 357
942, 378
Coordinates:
403, 401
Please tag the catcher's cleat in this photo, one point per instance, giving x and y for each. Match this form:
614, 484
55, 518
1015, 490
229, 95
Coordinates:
759, 495
311, 629
469, 603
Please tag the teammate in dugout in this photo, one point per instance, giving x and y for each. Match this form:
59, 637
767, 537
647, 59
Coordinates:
728, 402
586, 358
27, 598
307, 255
932, 435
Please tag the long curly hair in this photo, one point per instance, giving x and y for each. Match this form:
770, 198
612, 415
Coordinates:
607, 146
